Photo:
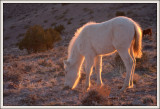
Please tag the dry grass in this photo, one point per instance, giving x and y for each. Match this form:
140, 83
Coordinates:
149, 100
9, 92
45, 63
140, 62
96, 96
90, 11
93, 98
13, 76
136, 78
21, 35
30, 100
53, 24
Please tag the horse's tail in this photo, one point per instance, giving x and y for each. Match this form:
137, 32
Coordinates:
137, 45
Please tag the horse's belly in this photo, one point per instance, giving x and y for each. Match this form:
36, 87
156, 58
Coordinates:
105, 49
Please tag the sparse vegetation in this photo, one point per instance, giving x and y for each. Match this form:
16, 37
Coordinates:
120, 13
93, 98
136, 78
26, 26
22, 18
96, 97
140, 62
37, 39
13, 76
9, 17
69, 22
54, 11
88, 10
59, 28
149, 100
45, 21
6, 38
12, 27
53, 24
20, 35
65, 12
30, 100
129, 12
46, 63
59, 17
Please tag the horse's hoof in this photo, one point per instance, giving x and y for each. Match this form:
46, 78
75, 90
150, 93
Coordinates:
100, 85
132, 86
86, 88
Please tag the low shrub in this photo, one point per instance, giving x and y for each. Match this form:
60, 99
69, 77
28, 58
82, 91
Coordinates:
149, 100
93, 98
136, 78
37, 39
120, 13
96, 97
59, 28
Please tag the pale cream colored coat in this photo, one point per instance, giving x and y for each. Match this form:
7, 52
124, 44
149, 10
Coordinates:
94, 40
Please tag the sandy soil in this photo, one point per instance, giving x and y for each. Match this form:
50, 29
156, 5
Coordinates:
37, 79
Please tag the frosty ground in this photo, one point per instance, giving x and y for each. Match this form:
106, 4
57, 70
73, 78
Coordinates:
37, 79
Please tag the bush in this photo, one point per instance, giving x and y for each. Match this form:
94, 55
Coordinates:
37, 39
96, 97
59, 28
120, 13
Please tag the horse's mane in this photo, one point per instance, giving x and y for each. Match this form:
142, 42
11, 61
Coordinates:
71, 44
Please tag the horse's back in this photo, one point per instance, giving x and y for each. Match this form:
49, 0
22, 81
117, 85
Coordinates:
98, 37
102, 37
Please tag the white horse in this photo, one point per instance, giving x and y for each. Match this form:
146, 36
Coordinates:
94, 40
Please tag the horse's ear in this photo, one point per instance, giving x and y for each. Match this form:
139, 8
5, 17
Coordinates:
66, 62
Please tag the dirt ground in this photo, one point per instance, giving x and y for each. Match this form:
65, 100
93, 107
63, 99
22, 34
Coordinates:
37, 79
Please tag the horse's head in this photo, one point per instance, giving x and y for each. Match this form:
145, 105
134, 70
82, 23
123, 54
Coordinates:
71, 74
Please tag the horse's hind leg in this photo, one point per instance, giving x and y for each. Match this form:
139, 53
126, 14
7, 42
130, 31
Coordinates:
133, 67
127, 59
98, 69
88, 68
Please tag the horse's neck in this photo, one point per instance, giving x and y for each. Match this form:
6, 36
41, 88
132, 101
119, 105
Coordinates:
75, 57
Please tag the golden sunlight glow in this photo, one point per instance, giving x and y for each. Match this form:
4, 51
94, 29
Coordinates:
76, 82
79, 69
130, 86
140, 31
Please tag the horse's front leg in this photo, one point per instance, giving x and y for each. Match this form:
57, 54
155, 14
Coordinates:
89, 67
98, 69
